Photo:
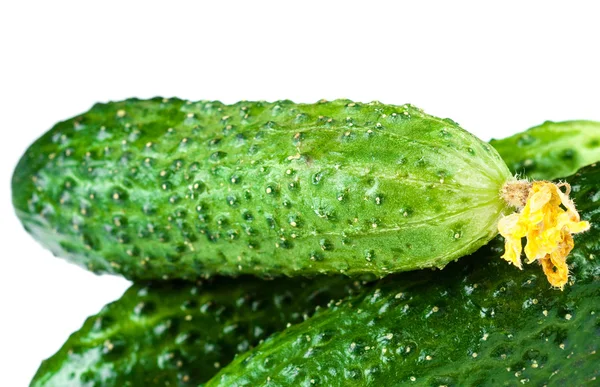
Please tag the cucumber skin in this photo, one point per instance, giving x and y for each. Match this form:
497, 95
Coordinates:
172, 333
376, 189
477, 322
552, 149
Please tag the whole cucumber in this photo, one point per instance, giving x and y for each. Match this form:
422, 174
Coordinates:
173, 333
476, 323
177, 189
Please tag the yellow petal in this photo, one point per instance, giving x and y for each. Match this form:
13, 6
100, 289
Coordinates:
578, 227
555, 264
508, 225
568, 203
512, 233
541, 196
557, 275
512, 251
533, 248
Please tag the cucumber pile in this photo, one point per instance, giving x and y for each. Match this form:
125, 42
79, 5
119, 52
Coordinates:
209, 208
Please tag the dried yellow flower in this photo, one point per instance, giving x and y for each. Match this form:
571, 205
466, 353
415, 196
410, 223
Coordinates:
547, 220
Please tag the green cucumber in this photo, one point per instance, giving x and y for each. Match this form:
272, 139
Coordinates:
477, 322
177, 189
552, 149
169, 333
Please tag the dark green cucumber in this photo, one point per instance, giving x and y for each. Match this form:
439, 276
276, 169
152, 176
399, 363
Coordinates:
177, 189
477, 322
179, 334
552, 149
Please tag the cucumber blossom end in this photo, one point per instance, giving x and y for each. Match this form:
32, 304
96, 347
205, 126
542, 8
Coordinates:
547, 217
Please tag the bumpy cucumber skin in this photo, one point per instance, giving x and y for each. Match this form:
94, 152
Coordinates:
552, 149
477, 322
175, 189
173, 333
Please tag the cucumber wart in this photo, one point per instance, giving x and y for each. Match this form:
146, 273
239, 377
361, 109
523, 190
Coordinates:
176, 189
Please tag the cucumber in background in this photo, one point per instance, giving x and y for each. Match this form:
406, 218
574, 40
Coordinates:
174, 333
176, 189
477, 322
552, 149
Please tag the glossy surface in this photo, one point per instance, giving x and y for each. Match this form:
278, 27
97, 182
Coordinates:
177, 189
180, 334
552, 149
478, 322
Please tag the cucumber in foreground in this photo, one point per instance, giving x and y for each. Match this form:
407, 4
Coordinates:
178, 333
552, 149
473, 323
175, 189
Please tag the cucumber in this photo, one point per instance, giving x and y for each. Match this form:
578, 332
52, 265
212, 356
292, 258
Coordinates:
171, 333
552, 149
477, 322
176, 189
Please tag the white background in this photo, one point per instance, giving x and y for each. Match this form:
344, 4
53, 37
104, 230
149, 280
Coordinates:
495, 69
